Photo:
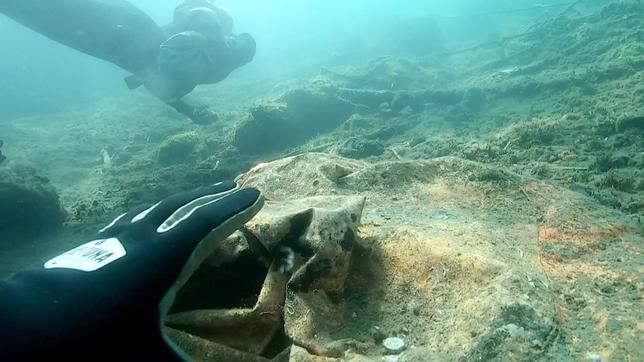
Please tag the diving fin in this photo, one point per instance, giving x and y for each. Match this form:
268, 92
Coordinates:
133, 82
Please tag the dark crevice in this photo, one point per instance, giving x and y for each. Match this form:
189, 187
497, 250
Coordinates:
235, 285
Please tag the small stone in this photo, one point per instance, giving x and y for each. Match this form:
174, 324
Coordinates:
394, 344
537, 344
594, 357
512, 329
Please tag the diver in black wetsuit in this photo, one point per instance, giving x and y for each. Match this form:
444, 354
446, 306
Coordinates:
198, 47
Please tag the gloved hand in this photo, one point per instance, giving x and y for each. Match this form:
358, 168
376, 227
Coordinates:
107, 299
198, 114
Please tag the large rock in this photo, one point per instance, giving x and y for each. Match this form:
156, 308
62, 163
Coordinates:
291, 120
177, 148
462, 260
29, 205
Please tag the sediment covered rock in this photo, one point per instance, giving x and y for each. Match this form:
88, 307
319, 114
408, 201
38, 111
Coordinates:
29, 205
291, 120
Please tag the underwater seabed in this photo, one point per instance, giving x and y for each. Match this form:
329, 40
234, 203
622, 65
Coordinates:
476, 205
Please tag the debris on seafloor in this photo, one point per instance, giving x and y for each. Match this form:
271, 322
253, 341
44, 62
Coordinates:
394, 344
107, 159
455, 284
319, 233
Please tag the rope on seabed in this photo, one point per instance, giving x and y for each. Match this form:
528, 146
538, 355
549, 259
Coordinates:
508, 11
530, 30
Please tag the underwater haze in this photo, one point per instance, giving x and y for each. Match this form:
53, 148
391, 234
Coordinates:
39, 75
442, 180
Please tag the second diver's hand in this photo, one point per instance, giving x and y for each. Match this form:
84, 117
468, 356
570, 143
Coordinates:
198, 114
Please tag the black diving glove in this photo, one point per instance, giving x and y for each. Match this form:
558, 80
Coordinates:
107, 299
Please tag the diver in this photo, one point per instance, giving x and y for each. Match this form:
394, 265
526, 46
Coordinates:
197, 47
107, 298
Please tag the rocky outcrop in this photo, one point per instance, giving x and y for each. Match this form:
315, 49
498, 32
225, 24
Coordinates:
29, 205
460, 260
297, 116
